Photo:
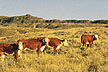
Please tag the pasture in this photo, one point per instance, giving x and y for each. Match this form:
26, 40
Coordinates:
73, 58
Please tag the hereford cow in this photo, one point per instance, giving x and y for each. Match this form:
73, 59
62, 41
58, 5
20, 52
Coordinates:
54, 42
8, 49
31, 44
88, 39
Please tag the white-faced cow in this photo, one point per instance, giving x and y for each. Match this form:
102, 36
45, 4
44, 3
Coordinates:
54, 42
88, 39
8, 49
31, 44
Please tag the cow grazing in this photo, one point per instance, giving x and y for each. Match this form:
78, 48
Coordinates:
88, 39
31, 44
54, 42
8, 49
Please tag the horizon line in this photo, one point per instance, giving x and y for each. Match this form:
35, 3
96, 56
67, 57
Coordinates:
51, 18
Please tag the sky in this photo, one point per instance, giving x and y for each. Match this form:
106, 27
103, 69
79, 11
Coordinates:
56, 9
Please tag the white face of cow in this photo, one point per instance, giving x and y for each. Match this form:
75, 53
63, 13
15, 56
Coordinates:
96, 36
2, 57
20, 48
46, 40
65, 43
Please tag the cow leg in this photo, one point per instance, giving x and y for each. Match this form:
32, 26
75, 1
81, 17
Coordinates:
91, 44
16, 56
42, 48
85, 44
44, 51
55, 51
38, 51
58, 47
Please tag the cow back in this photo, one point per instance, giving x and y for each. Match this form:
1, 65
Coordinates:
86, 38
31, 43
54, 41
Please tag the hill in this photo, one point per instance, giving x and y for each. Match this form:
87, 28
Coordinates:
37, 22
21, 19
31, 19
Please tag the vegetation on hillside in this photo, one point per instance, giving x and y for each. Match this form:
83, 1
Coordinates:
36, 22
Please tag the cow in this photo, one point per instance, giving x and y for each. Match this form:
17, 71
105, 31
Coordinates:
54, 42
88, 39
31, 44
6, 49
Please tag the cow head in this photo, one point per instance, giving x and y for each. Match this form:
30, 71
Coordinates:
20, 47
64, 42
46, 41
2, 58
95, 37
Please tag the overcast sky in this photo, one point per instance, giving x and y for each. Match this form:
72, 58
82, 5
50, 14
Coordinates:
56, 9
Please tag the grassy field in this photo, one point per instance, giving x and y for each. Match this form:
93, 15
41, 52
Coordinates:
73, 58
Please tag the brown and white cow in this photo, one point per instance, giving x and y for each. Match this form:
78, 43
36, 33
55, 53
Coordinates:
88, 39
8, 49
54, 42
31, 44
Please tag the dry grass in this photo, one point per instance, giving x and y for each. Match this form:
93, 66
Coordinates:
73, 58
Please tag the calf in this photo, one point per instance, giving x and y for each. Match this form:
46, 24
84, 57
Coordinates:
54, 42
8, 49
31, 44
88, 39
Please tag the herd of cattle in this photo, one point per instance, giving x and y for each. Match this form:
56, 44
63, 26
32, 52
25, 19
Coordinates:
39, 45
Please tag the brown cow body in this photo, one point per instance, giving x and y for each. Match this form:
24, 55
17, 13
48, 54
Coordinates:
88, 39
31, 44
8, 49
54, 42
